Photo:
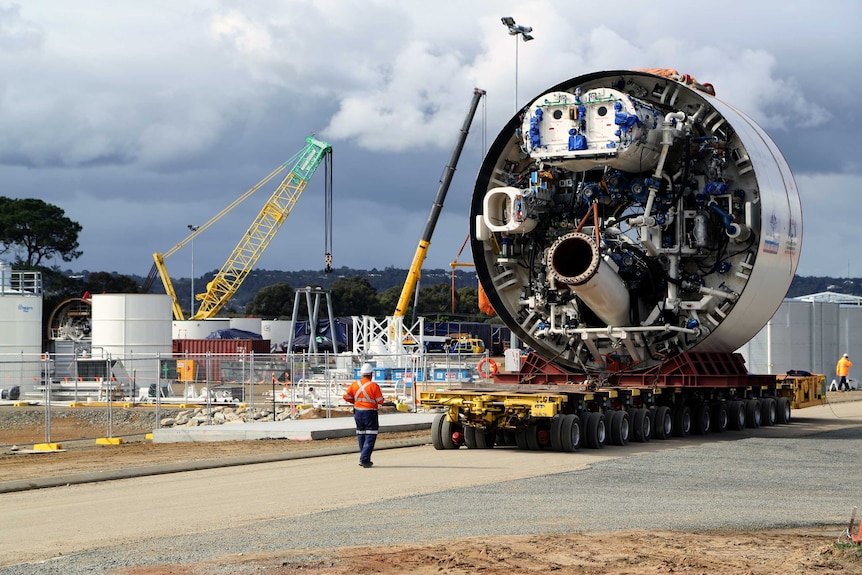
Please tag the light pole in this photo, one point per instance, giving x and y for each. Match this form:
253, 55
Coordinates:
516, 30
192, 297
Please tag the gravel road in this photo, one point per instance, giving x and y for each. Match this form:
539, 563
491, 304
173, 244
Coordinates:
802, 475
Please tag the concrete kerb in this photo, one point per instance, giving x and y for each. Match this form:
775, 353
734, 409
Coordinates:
302, 429
309, 429
92, 477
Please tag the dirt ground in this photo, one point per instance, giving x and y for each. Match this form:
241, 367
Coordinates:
810, 551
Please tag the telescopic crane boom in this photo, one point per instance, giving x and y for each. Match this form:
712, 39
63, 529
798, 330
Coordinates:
422, 249
255, 240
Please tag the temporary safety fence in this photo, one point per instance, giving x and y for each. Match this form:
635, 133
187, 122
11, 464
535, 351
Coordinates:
141, 391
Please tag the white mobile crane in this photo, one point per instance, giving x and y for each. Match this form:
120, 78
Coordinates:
258, 236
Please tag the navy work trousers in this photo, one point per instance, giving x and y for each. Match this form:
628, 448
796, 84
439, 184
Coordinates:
367, 426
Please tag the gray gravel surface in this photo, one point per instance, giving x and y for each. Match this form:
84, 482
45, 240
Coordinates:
731, 483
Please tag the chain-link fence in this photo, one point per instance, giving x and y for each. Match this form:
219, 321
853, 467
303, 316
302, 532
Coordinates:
111, 397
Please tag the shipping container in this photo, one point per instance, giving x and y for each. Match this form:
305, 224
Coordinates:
220, 346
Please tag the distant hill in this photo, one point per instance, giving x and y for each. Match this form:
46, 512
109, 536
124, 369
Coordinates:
805, 285
381, 280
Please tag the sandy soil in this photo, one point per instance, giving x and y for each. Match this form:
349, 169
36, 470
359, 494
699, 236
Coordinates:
799, 551
621, 553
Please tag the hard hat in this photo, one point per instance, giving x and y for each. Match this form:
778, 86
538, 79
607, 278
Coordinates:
845, 355
366, 369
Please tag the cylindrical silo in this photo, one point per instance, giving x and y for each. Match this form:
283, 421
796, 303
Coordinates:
132, 329
275, 330
251, 324
20, 331
197, 328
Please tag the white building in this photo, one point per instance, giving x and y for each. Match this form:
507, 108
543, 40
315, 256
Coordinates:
809, 333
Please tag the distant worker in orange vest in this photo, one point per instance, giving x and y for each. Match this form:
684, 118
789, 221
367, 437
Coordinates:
843, 370
366, 397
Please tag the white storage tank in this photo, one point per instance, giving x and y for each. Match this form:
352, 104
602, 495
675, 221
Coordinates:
197, 328
252, 324
276, 330
133, 328
20, 330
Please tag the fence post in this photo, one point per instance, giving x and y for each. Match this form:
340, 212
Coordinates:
109, 376
46, 380
159, 387
209, 389
251, 380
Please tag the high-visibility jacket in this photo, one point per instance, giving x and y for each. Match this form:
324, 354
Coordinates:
364, 394
843, 367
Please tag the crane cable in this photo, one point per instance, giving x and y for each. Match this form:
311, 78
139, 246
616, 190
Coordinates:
327, 225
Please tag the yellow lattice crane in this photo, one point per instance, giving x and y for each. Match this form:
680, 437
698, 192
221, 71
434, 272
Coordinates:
255, 240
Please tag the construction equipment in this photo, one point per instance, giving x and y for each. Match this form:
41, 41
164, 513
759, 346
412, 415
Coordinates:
633, 231
415, 270
258, 236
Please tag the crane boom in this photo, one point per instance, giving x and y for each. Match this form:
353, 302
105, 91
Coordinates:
422, 249
258, 236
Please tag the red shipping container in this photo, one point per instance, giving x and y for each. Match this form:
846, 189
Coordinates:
221, 346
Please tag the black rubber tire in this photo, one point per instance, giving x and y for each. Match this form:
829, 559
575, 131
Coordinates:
720, 417
556, 431
641, 425
768, 411
500, 437
620, 427
752, 413
597, 431
736, 413
521, 439
663, 423
682, 421
782, 411
470, 440
702, 419
485, 438
436, 425
533, 438
584, 416
447, 428
570, 433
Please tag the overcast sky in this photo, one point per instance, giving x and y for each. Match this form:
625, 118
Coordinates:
140, 118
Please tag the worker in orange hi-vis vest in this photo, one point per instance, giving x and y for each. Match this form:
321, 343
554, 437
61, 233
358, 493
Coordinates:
843, 370
366, 397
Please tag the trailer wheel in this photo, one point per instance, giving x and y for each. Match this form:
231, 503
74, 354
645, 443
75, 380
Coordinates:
436, 425
782, 412
500, 437
596, 428
767, 411
641, 425
556, 432
620, 425
521, 439
702, 419
485, 438
663, 423
570, 433
752, 413
470, 437
720, 417
682, 421
737, 415
447, 432
533, 438
510, 438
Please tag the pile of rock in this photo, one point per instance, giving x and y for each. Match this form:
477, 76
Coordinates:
225, 415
